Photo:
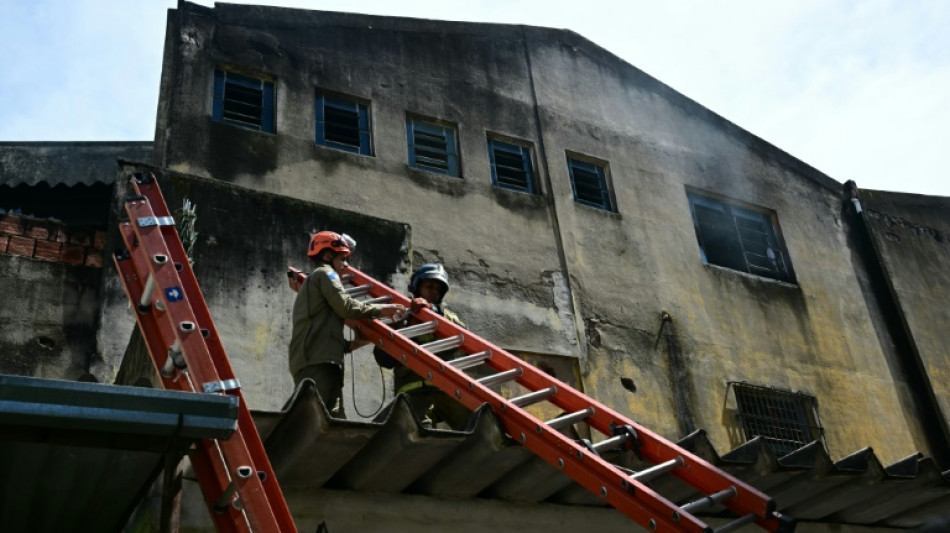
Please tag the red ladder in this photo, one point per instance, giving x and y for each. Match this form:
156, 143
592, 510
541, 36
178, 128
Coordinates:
580, 461
235, 475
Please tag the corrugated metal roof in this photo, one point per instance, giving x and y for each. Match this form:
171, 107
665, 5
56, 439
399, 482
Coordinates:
66, 163
80, 456
396, 454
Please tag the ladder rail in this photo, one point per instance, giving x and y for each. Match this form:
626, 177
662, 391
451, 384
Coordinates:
156, 338
592, 472
239, 463
149, 188
695, 471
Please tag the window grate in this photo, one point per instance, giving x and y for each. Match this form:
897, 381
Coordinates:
243, 101
739, 238
511, 166
589, 183
432, 147
342, 124
786, 420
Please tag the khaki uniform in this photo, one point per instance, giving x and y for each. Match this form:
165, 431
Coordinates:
317, 338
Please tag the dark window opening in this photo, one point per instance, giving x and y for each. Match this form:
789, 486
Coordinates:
589, 183
786, 420
79, 205
432, 147
243, 101
511, 166
342, 124
739, 238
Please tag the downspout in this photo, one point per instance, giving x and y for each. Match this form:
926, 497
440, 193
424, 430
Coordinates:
924, 404
579, 332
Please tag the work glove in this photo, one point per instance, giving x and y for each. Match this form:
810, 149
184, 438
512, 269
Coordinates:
419, 304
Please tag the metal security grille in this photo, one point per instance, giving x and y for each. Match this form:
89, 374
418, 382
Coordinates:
243, 101
739, 238
511, 166
589, 182
786, 420
432, 147
342, 124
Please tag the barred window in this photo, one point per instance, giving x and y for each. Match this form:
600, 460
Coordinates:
432, 146
511, 166
243, 101
738, 237
342, 123
786, 420
589, 183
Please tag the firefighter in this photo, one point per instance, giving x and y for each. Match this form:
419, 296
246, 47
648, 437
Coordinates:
430, 405
317, 344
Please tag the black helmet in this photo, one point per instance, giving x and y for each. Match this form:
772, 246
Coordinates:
430, 271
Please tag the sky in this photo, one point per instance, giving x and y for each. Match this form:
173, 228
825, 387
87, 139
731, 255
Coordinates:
859, 89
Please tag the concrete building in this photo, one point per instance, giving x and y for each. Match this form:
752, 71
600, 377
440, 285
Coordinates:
594, 221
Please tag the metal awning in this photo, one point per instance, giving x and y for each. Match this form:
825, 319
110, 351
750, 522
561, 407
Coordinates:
80, 456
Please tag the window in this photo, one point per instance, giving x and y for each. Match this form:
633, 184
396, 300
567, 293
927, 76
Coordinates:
786, 420
342, 124
589, 183
432, 147
740, 238
243, 101
511, 166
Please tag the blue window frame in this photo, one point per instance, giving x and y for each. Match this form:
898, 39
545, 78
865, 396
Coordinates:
511, 166
342, 124
739, 238
589, 183
432, 147
243, 101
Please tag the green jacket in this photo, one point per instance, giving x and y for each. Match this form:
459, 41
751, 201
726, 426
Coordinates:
402, 376
319, 311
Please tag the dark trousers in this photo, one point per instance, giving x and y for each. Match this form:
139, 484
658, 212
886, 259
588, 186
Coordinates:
328, 378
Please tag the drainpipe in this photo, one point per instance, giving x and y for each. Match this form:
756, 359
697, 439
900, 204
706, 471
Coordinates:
894, 330
579, 332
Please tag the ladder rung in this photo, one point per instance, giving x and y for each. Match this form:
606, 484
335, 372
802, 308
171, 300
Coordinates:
735, 524
380, 300
612, 443
657, 470
346, 277
418, 329
500, 377
709, 501
359, 290
534, 397
470, 360
568, 419
443, 345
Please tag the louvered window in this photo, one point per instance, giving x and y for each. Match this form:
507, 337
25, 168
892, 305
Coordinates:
432, 147
511, 166
786, 420
589, 183
243, 101
342, 124
739, 238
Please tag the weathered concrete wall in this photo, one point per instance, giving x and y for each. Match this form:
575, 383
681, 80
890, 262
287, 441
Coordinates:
540, 273
814, 336
246, 240
910, 235
48, 319
498, 245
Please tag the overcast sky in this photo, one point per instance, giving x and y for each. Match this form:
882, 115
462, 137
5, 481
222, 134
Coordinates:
858, 89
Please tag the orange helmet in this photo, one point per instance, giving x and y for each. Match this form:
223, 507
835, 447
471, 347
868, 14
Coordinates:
338, 242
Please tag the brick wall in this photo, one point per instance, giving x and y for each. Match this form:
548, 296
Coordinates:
50, 241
